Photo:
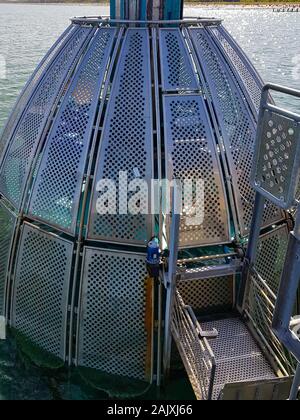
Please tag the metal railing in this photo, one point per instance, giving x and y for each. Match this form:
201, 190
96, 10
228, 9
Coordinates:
195, 351
276, 178
187, 21
259, 308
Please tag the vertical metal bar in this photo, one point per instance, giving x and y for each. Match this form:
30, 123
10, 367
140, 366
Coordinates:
171, 287
258, 213
159, 169
251, 254
295, 386
113, 9
287, 296
257, 218
143, 10
173, 9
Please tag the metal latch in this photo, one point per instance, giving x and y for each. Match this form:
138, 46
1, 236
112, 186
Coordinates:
202, 334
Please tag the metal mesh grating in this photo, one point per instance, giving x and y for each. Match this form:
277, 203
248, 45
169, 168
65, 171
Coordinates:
196, 353
238, 357
126, 143
177, 68
40, 295
244, 69
57, 189
211, 295
115, 323
271, 256
277, 169
26, 137
191, 155
7, 223
237, 128
263, 288
29, 89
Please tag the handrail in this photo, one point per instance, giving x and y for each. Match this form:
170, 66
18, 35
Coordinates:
186, 21
196, 353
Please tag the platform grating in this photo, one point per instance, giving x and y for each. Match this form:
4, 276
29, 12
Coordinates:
238, 357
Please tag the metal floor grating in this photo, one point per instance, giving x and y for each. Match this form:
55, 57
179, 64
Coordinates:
238, 357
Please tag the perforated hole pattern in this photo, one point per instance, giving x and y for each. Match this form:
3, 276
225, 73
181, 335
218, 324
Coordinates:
277, 155
190, 144
41, 289
251, 84
238, 357
206, 296
7, 223
237, 128
177, 69
127, 141
58, 186
112, 334
260, 303
27, 136
271, 256
29, 89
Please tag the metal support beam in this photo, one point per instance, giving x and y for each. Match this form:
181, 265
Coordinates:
171, 282
251, 253
287, 294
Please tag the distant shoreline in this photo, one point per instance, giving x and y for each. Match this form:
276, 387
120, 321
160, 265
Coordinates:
195, 3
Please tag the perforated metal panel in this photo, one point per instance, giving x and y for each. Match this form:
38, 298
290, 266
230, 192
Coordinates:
56, 193
237, 126
276, 172
29, 89
211, 295
243, 67
195, 352
176, 66
271, 256
263, 288
191, 155
28, 133
115, 322
126, 144
41, 288
7, 225
238, 357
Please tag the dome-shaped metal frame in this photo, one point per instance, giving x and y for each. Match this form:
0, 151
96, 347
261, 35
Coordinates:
157, 98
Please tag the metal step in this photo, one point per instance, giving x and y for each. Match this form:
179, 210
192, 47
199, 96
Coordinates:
272, 390
238, 357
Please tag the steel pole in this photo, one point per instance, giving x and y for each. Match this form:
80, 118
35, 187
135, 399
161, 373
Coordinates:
296, 385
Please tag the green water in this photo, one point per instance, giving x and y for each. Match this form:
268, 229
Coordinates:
21, 379
26, 32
